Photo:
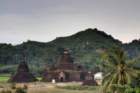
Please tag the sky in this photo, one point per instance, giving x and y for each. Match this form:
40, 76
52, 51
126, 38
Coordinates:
44, 20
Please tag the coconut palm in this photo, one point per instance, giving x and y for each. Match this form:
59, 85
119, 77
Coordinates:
120, 72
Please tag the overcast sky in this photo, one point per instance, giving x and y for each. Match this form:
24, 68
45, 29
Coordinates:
44, 20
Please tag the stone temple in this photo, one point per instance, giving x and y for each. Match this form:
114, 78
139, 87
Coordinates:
23, 74
65, 70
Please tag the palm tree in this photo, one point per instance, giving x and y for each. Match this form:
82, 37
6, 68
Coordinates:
120, 72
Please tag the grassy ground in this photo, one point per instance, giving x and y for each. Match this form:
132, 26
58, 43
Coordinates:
57, 90
4, 77
42, 87
46, 87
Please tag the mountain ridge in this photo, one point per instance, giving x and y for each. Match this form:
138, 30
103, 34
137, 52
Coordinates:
85, 47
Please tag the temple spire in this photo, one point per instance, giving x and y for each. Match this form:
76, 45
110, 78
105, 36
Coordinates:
65, 60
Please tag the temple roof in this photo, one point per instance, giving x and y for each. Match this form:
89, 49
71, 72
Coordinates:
23, 74
65, 61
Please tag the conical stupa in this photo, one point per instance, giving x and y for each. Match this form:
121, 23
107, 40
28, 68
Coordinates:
23, 74
65, 61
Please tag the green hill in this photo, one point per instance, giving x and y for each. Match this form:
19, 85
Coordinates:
133, 48
85, 46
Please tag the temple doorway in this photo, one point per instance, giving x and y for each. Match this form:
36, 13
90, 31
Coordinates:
61, 79
62, 76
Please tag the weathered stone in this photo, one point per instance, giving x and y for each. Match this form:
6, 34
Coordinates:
66, 71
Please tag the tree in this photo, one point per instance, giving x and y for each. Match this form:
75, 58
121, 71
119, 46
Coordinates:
119, 72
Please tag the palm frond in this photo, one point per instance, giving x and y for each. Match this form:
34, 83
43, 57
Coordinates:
120, 71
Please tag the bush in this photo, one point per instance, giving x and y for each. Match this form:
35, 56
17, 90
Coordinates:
137, 90
132, 90
13, 86
78, 87
6, 91
21, 90
25, 87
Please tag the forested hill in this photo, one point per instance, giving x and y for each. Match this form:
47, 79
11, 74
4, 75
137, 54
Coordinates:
133, 48
85, 47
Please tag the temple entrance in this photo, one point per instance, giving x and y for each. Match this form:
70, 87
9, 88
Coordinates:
61, 79
61, 76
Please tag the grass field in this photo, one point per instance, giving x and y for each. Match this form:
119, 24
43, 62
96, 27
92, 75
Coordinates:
46, 87
4, 77
57, 90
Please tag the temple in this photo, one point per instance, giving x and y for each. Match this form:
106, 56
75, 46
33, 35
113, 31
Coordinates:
23, 74
66, 70
65, 62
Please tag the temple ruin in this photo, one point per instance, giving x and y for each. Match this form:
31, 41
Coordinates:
65, 70
23, 74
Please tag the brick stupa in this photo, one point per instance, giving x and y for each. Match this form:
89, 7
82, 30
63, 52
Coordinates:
23, 74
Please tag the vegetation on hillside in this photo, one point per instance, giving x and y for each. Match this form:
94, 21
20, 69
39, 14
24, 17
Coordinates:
86, 48
120, 73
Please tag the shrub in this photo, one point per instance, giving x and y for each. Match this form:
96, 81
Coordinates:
25, 87
137, 90
6, 91
13, 86
132, 90
21, 90
78, 87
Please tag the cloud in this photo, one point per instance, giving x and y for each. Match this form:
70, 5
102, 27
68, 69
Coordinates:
44, 20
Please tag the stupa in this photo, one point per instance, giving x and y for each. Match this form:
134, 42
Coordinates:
23, 74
